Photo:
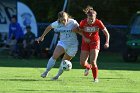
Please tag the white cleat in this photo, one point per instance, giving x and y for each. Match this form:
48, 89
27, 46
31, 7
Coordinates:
86, 72
43, 75
96, 80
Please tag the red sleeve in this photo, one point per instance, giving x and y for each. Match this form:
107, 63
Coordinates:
101, 25
82, 23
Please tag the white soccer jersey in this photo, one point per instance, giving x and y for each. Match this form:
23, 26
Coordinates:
66, 34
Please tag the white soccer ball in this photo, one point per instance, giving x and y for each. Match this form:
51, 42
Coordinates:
66, 65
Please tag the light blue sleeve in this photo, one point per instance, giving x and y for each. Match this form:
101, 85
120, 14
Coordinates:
54, 24
76, 23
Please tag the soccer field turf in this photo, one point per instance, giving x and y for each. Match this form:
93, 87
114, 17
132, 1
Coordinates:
23, 76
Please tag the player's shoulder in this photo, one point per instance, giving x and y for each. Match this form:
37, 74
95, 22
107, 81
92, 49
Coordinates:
54, 24
18, 24
98, 21
72, 20
83, 21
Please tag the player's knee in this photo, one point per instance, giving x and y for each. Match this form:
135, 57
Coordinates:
54, 57
83, 64
94, 64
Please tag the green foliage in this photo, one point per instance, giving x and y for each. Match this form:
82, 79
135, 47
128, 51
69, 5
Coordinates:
110, 11
45, 10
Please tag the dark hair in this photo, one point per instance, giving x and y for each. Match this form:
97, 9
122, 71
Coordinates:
28, 27
89, 10
61, 14
14, 16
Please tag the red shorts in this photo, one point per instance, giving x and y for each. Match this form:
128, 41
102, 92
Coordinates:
89, 46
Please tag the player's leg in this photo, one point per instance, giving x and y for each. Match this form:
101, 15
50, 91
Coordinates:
69, 54
84, 55
59, 50
60, 71
93, 60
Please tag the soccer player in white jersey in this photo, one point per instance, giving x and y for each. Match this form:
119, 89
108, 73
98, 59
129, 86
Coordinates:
68, 43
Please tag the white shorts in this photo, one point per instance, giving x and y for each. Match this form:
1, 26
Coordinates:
70, 49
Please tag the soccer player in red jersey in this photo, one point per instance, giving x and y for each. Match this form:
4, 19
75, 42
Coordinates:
90, 46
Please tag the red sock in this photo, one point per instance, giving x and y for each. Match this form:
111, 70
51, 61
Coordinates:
94, 72
87, 66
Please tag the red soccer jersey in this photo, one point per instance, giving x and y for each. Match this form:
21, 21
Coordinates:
91, 31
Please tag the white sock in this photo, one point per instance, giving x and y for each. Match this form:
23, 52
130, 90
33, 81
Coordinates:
50, 64
60, 71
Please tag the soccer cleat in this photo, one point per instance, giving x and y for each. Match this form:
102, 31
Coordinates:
55, 78
96, 80
43, 75
86, 72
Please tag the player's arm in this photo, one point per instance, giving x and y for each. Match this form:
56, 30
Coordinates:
80, 32
41, 38
107, 35
76, 28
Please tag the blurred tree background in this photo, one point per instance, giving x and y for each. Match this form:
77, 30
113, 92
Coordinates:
110, 11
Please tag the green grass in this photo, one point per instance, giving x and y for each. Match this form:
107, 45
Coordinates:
23, 76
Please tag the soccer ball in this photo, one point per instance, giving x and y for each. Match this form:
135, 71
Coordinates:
66, 65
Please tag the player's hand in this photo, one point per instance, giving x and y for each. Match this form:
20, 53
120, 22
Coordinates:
76, 30
106, 45
40, 39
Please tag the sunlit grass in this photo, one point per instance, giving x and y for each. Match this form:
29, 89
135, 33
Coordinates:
23, 76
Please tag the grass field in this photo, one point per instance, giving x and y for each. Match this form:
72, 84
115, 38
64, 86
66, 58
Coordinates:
23, 76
